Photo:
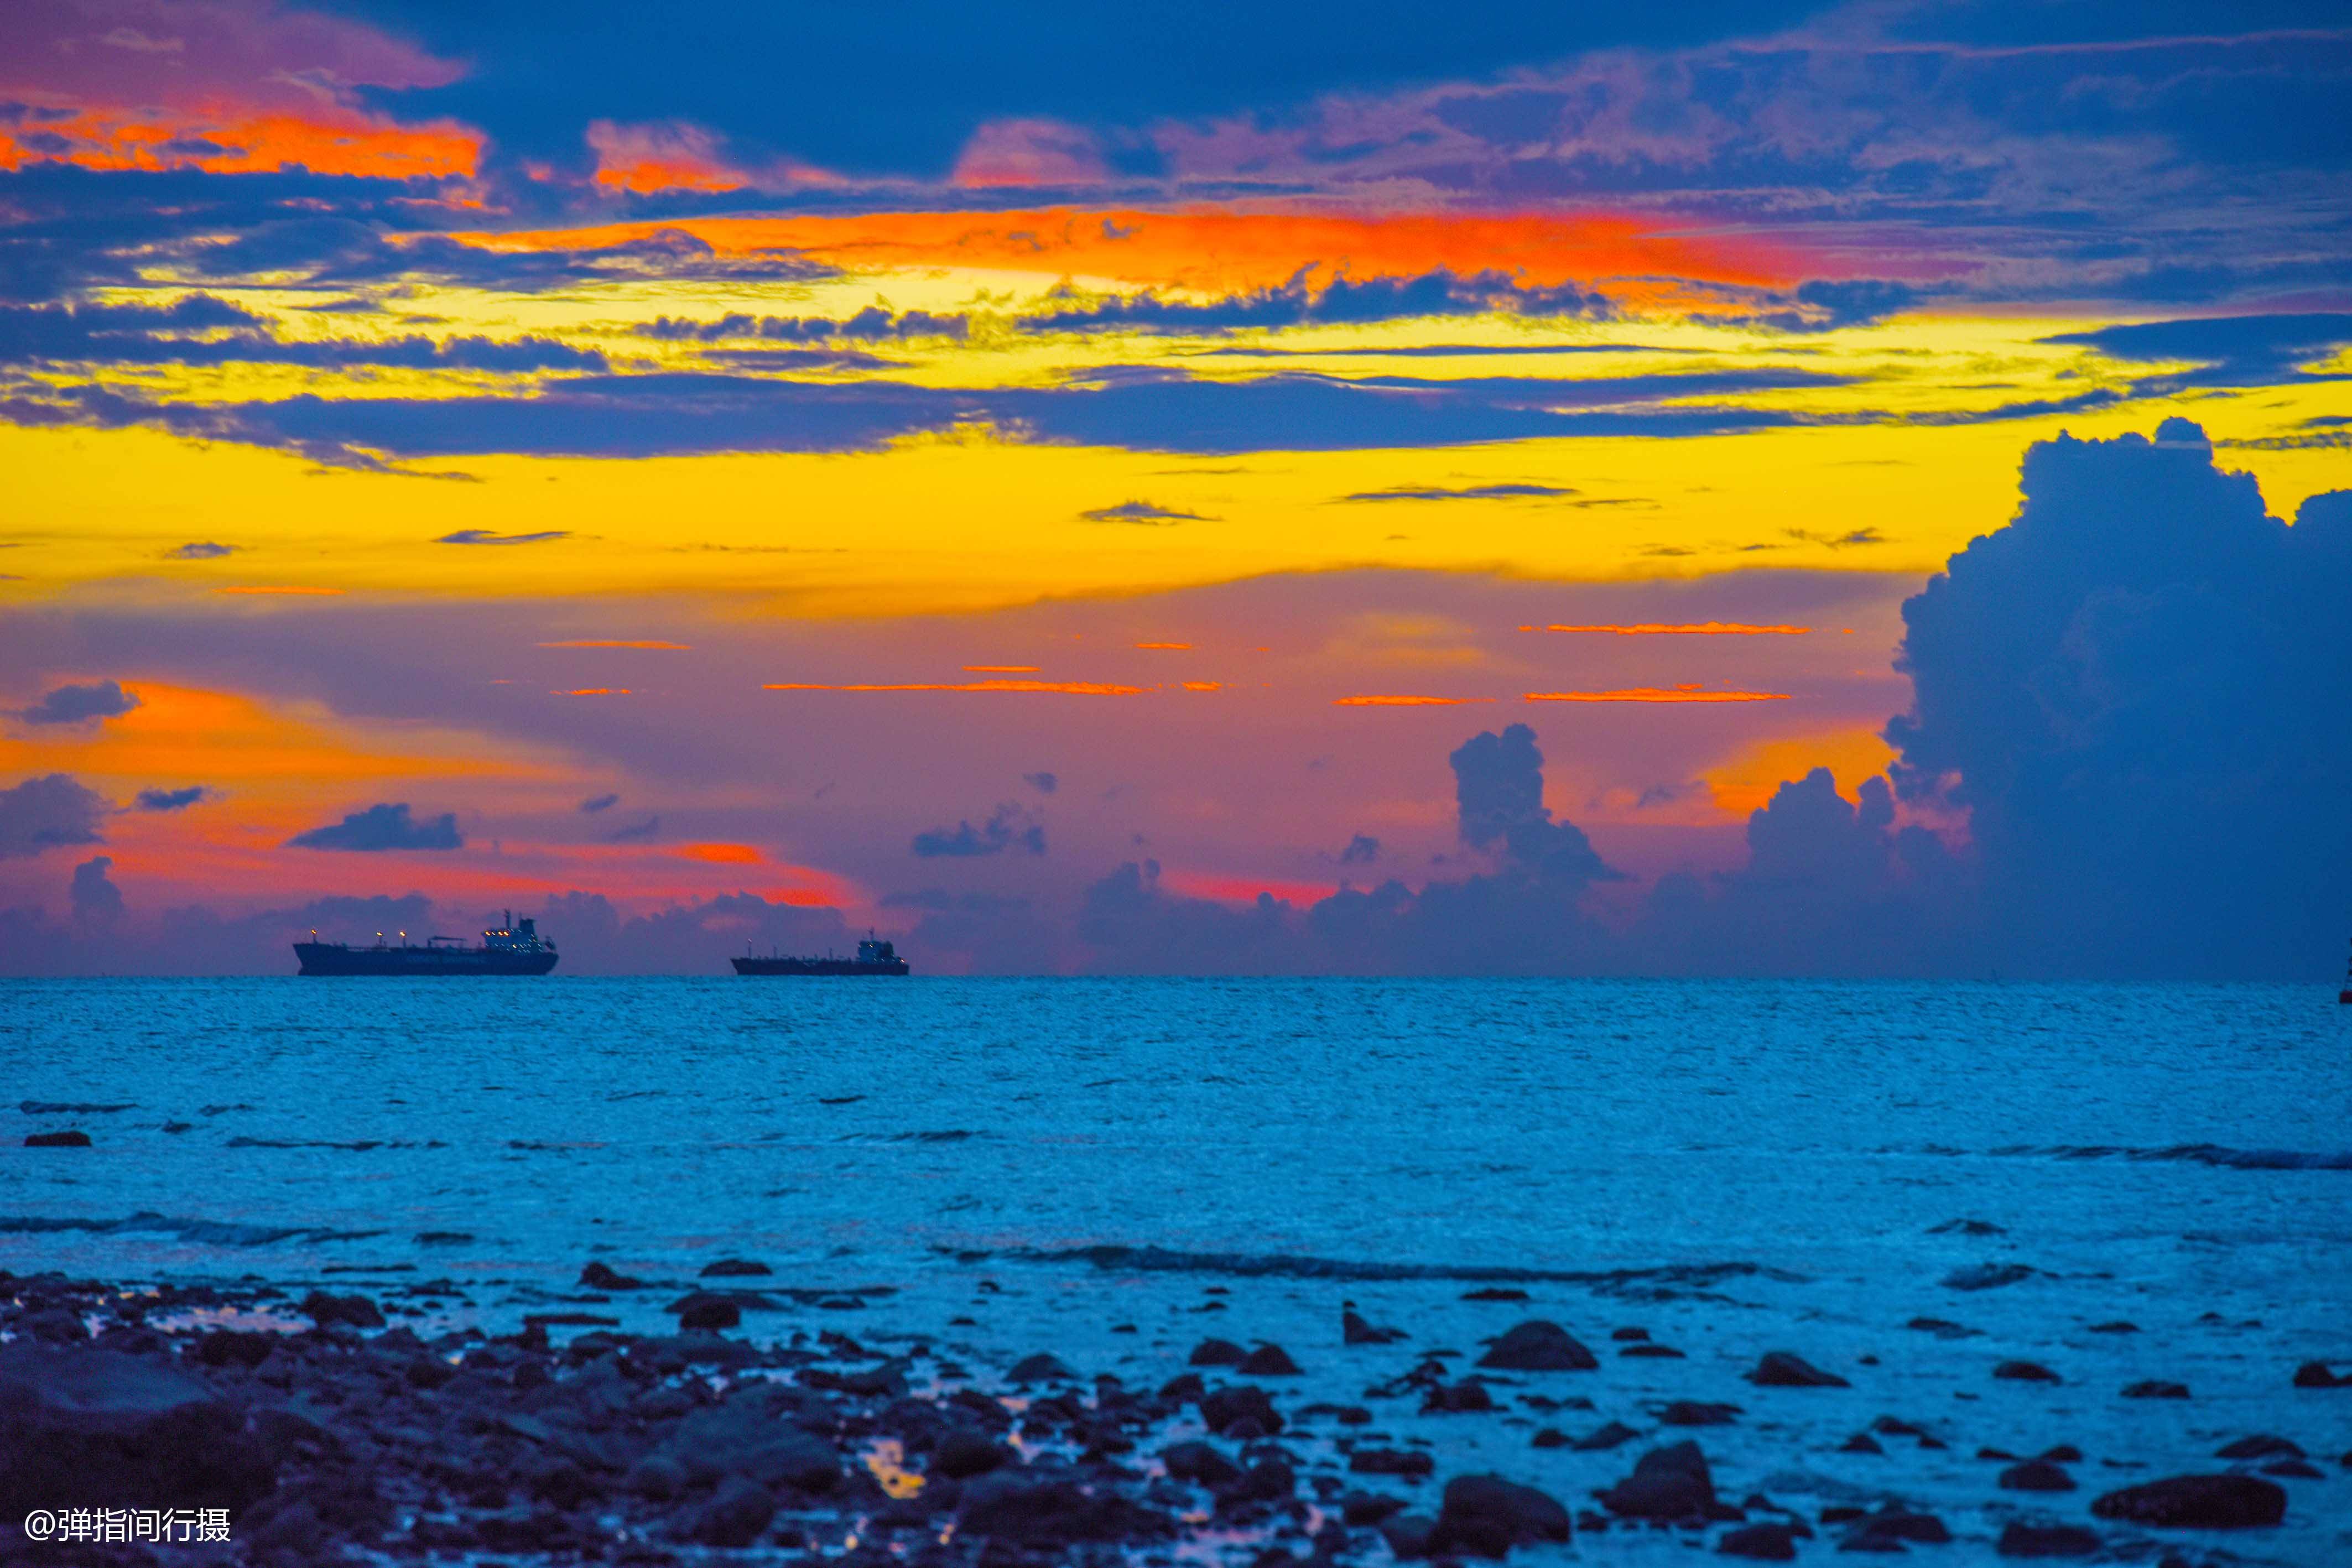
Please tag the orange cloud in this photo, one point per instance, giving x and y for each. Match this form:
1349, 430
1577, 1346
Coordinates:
1748, 781
1392, 700
1067, 688
1000, 669
325, 593
1223, 250
1657, 695
1167, 647
1204, 685
597, 692
1698, 629
348, 144
606, 642
721, 855
674, 156
1245, 889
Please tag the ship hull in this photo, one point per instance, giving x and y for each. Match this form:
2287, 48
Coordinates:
818, 966
399, 962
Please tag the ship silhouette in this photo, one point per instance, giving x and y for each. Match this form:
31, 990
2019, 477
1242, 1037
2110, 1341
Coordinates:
874, 958
514, 948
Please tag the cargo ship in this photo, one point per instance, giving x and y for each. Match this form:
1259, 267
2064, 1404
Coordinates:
874, 958
514, 948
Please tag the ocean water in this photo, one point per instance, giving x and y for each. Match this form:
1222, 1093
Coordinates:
1112, 1169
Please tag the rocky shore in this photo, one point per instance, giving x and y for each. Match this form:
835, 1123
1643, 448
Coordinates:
327, 1436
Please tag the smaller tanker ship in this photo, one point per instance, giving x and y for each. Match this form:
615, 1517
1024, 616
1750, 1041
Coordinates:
514, 948
874, 958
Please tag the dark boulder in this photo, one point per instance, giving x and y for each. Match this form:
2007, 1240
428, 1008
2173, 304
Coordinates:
1052, 1513
733, 1269
1486, 1516
1779, 1369
233, 1347
1041, 1367
1895, 1527
1408, 1534
88, 1428
1698, 1413
2197, 1502
2024, 1372
744, 1438
1229, 1407
2036, 1474
1770, 1543
600, 1276
1362, 1508
1391, 1462
1537, 1346
1606, 1436
1267, 1360
735, 1516
964, 1453
68, 1140
2261, 1445
2018, 1539
1862, 1443
326, 1311
1667, 1483
705, 1310
1217, 1352
1548, 1438
2155, 1389
1203, 1463
1354, 1330
2310, 1374
1465, 1397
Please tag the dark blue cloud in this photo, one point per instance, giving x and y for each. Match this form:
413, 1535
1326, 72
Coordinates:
96, 901
595, 803
1044, 783
133, 334
172, 799
200, 549
1461, 493
2234, 350
79, 705
1009, 826
872, 324
1298, 303
383, 827
46, 813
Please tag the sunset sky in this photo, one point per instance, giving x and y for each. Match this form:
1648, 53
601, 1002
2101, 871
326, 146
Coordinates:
1065, 486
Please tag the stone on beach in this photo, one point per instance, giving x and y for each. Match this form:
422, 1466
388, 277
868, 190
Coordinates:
1697, 1413
1779, 1369
734, 1269
707, 1310
1667, 1483
1200, 1462
1354, 1330
1227, 1408
963, 1453
326, 1311
600, 1276
1217, 1352
1987, 1276
1041, 1367
2310, 1374
1486, 1516
2035, 1474
66, 1139
2018, 1539
2024, 1372
2155, 1388
1268, 1360
1537, 1346
1391, 1462
1766, 1542
1608, 1436
84, 1428
2197, 1502
2261, 1445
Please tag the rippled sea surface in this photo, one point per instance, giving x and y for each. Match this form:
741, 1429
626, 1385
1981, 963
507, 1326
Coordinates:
1737, 1167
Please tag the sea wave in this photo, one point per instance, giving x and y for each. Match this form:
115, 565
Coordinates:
1122, 1259
204, 1232
2217, 1155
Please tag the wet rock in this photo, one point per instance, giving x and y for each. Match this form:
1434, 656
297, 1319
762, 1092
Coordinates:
67, 1140
2261, 1445
2310, 1374
1269, 1361
1862, 1443
2197, 1502
2294, 1469
1770, 1542
735, 1516
1465, 1397
1051, 1512
2024, 1372
87, 1427
1648, 1351
2154, 1389
1667, 1483
2062, 1454
1354, 1330
1966, 1228
1410, 1462
1362, 1508
1408, 1536
2117, 1326
1202, 1463
326, 1311
742, 1437
733, 1269
1628, 1336
1987, 1276
1537, 1346
1698, 1413
964, 1453
600, 1276
1495, 1294
233, 1347
1217, 1352
1548, 1438
655, 1476
1228, 1408
1268, 1480
1041, 1367
2035, 1474
1779, 1369
2018, 1539
1894, 1528
1606, 1436
705, 1310
1942, 1328
1486, 1516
